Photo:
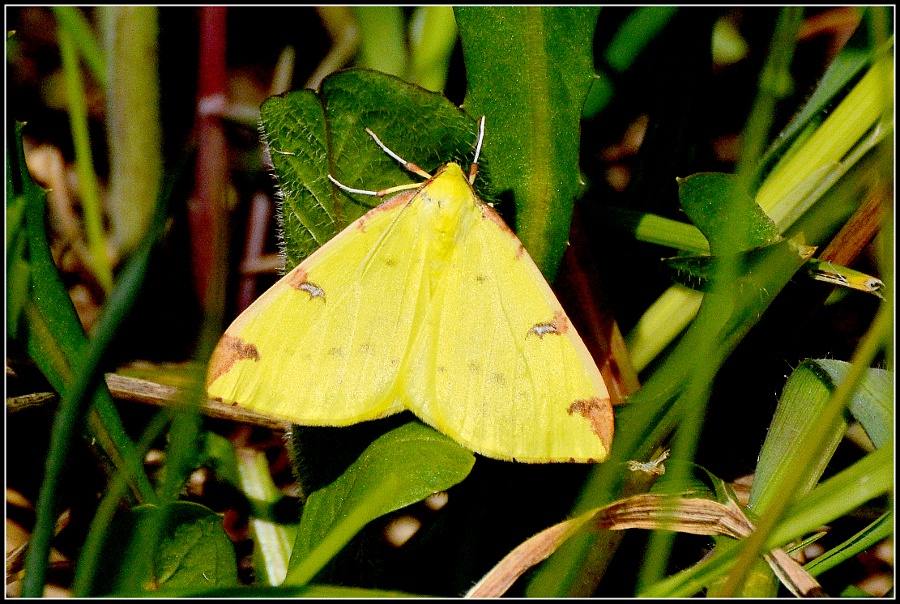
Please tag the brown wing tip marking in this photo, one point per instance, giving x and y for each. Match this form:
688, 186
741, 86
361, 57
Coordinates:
229, 351
298, 280
490, 213
559, 325
598, 411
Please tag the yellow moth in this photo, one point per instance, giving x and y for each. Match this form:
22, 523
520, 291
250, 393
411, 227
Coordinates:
430, 303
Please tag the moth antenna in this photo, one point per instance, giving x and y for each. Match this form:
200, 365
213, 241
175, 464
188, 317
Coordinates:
408, 165
381, 193
351, 189
480, 139
473, 169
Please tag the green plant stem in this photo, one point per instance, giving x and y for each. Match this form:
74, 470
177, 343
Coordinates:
652, 228
720, 302
74, 402
133, 121
272, 542
690, 421
72, 409
74, 21
774, 84
92, 549
432, 36
382, 41
87, 178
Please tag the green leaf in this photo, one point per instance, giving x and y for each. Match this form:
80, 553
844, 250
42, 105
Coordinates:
872, 403
310, 135
806, 392
86, 379
636, 32
775, 83
747, 249
529, 70
218, 453
17, 282
193, 553
814, 162
799, 407
88, 184
195, 550
320, 454
639, 29
17, 268
870, 477
727, 216
400, 467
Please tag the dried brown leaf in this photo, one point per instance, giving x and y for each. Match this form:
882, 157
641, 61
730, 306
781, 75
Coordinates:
697, 516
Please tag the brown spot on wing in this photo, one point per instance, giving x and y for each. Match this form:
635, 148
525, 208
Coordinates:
598, 411
558, 326
298, 279
229, 351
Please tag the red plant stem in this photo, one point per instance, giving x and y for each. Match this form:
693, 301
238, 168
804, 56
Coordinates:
206, 208
859, 230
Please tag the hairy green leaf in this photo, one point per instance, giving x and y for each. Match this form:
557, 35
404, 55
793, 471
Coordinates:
311, 135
